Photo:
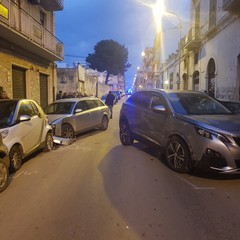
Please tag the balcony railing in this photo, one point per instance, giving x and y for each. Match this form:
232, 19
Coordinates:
52, 5
36, 38
231, 5
193, 40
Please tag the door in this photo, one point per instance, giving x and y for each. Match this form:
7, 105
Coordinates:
82, 119
157, 122
30, 131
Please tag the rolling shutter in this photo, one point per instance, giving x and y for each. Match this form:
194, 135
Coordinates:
43, 90
19, 82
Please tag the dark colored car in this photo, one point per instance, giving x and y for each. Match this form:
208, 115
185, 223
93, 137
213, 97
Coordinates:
191, 128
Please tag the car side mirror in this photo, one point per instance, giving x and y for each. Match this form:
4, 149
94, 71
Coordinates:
24, 118
159, 108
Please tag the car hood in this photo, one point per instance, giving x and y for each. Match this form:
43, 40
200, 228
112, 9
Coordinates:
53, 117
230, 123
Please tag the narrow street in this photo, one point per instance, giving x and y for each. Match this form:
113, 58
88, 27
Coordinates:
97, 189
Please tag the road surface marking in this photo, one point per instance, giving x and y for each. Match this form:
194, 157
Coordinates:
194, 186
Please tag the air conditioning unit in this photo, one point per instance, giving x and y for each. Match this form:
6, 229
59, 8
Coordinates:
34, 2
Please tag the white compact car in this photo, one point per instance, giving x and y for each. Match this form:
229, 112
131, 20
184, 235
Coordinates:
24, 128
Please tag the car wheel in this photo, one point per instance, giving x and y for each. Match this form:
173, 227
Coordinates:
48, 142
125, 133
104, 125
178, 155
16, 157
67, 131
3, 175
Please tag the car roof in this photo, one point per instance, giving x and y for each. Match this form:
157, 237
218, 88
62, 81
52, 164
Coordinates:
76, 99
170, 91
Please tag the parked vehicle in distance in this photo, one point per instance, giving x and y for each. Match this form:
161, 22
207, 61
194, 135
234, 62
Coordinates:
72, 116
24, 128
191, 128
118, 94
4, 166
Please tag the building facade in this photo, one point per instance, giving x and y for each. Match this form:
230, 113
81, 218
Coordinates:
29, 49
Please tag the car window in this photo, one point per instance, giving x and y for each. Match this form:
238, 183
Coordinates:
82, 105
98, 103
59, 108
198, 104
157, 100
35, 108
91, 104
7, 113
26, 109
140, 98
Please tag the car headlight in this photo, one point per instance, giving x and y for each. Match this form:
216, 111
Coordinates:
4, 133
209, 134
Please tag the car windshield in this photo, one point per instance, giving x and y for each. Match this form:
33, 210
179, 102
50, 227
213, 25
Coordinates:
196, 104
59, 108
7, 113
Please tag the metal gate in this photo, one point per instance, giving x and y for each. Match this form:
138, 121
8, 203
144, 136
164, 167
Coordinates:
43, 90
19, 82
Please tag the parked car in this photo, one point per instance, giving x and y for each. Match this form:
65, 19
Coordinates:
191, 128
71, 116
24, 128
118, 94
4, 165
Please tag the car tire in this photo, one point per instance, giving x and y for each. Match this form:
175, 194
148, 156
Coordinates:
16, 157
48, 142
4, 173
104, 124
178, 155
68, 131
125, 133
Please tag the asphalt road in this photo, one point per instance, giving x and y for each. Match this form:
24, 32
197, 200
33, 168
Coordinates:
97, 189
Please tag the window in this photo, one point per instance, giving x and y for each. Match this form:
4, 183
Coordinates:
43, 18
82, 105
26, 109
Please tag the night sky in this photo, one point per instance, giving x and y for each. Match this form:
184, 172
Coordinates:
83, 23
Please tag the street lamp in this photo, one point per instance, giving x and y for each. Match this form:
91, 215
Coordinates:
158, 11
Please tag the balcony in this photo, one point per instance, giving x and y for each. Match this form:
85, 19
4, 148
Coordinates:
20, 29
193, 41
52, 5
231, 5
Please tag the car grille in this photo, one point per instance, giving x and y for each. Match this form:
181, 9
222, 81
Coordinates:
237, 140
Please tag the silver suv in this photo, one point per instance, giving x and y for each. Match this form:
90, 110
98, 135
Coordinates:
190, 127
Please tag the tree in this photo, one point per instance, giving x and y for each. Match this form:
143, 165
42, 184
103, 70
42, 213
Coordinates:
109, 56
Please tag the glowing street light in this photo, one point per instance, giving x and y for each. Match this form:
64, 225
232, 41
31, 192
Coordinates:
158, 12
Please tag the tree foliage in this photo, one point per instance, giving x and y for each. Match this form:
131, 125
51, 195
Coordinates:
109, 56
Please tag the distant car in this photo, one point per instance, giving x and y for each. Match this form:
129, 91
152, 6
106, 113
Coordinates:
71, 116
24, 128
118, 94
4, 165
190, 128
